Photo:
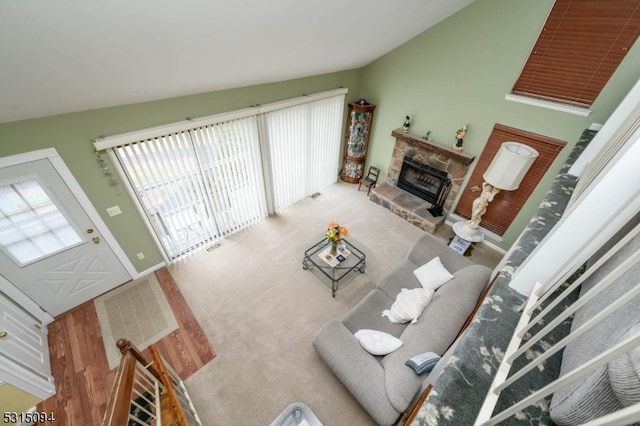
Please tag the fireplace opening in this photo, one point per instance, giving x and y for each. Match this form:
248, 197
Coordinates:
426, 182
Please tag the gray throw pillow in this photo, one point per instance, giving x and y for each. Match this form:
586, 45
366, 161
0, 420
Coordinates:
624, 373
424, 362
584, 400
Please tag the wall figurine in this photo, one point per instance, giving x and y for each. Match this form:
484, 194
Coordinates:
406, 124
460, 134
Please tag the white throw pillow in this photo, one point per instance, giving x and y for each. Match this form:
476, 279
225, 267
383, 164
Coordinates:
377, 342
432, 274
409, 305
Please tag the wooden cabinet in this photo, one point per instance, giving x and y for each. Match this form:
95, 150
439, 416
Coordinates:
356, 141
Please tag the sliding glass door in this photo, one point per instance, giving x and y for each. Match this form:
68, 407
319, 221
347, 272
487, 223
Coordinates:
304, 149
201, 183
198, 185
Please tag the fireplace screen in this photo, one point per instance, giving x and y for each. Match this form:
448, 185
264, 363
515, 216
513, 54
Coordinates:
424, 181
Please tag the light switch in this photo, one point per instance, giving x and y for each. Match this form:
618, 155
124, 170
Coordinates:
114, 211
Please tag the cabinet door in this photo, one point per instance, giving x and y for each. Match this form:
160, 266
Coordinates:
24, 340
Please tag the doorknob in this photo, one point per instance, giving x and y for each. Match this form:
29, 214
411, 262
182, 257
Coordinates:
90, 231
3, 334
96, 240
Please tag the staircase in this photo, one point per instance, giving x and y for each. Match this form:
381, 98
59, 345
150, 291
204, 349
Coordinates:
148, 393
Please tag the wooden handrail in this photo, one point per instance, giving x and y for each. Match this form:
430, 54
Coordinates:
117, 413
126, 346
177, 409
119, 405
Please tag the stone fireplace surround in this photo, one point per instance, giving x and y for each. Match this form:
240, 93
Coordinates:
439, 156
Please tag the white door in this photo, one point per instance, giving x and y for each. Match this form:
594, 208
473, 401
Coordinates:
23, 339
49, 247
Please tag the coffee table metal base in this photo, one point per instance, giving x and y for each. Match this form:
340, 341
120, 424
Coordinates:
356, 260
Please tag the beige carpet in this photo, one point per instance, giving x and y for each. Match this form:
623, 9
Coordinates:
138, 311
261, 310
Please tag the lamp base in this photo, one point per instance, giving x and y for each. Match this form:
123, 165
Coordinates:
466, 233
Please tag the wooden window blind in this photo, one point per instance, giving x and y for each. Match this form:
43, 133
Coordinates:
507, 204
579, 48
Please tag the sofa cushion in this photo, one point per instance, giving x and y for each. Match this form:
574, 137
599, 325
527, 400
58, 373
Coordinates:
377, 342
408, 306
585, 400
428, 247
432, 274
366, 314
624, 373
401, 277
400, 382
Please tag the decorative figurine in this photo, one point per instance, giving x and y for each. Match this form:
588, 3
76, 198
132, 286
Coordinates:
460, 134
406, 124
428, 135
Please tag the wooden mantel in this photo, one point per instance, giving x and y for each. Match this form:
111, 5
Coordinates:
434, 146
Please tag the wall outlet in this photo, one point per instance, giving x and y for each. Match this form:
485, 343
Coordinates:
114, 211
140, 255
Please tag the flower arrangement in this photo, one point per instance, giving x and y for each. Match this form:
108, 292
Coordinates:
336, 232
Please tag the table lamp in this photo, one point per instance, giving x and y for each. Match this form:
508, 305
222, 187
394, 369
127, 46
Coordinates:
506, 171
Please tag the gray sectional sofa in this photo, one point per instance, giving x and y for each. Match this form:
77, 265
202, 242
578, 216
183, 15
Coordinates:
384, 385
615, 385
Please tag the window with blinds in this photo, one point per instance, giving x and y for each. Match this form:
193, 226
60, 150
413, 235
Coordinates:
578, 50
507, 204
304, 149
197, 184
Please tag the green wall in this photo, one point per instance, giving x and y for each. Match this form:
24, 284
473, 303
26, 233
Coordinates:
72, 134
455, 72
460, 70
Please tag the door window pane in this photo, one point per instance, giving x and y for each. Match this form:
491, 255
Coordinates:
31, 225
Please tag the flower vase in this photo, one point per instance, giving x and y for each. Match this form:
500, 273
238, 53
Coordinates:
334, 248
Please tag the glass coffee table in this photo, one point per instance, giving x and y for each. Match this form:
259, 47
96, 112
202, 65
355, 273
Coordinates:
349, 259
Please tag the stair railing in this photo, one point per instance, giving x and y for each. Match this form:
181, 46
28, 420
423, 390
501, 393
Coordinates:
147, 393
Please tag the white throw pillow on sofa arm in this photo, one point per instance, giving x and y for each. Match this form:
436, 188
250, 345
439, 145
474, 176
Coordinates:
377, 342
432, 275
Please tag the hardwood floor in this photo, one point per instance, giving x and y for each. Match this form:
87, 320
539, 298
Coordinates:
79, 362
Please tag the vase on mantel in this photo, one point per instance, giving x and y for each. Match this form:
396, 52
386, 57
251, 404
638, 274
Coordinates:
334, 249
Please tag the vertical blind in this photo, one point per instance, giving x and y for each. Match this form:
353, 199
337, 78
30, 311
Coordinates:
198, 185
229, 160
304, 147
201, 183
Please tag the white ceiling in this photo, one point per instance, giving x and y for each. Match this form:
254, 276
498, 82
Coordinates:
59, 56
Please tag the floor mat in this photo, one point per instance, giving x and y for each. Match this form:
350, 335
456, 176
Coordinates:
138, 311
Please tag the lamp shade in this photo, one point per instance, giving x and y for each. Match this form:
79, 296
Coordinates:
508, 167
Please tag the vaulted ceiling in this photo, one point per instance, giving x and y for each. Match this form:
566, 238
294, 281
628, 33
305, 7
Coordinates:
59, 56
